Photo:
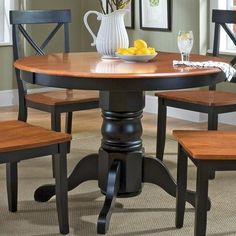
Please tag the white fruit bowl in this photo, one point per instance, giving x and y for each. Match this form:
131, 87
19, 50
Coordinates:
136, 58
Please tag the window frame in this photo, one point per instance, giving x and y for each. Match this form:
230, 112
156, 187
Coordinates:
5, 28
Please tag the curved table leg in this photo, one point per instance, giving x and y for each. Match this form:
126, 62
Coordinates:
154, 171
86, 169
113, 185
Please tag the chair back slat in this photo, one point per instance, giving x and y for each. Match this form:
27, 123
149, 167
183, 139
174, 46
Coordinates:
66, 37
229, 32
216, 42
224, 16
30, 40
233, 61
51, 35
222, 19
21, 18
40, 16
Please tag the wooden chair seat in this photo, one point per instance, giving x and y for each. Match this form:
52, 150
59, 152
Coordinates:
18, 135
21, 141
201, 97
208, 145
209, 151
63, 97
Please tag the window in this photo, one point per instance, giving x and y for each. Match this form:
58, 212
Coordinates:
226, 45
229, 43
5, 29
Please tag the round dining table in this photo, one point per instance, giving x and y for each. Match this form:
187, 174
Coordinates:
120, 165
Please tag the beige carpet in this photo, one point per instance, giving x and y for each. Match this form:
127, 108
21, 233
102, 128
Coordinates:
150, 213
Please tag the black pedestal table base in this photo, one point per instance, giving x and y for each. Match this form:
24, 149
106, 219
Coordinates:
113, 185
85, 170
120, 167
155, 172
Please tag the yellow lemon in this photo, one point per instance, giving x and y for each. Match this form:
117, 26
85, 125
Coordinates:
121, 50
152, 50
132, 50
139, 43
143, 51
184, 36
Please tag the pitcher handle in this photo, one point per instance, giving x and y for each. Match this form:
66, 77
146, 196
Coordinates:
99, 17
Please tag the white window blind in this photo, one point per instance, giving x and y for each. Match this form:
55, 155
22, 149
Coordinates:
226, 45
5, 29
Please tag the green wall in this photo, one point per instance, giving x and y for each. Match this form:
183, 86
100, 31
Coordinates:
185, 16
78, 33
6, 69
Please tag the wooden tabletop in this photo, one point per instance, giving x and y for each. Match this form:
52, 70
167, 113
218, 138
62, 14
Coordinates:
91, 65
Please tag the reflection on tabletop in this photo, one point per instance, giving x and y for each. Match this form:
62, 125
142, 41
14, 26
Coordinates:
120, 66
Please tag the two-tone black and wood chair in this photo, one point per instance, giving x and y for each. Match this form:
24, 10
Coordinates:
210, 151
20, 141
212, 103
54, 102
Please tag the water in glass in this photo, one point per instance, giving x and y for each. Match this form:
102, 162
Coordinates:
185, 44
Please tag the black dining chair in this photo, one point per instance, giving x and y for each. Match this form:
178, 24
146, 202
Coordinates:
207, 101
209, 151
54, 102
21, 141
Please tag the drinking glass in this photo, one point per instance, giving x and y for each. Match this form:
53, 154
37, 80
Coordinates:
185, 44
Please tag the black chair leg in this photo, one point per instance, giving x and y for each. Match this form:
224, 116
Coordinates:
12, 185
161, 129
212, 119
56, 126
23, 110
68, 127
212, 125
62, 188
181, 187
201, 200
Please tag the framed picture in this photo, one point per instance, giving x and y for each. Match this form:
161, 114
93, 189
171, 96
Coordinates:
129, 16
155, 15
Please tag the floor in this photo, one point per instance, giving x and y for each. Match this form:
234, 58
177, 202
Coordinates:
150, 213
81, 125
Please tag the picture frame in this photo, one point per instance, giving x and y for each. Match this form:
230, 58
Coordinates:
155, 15
129, 18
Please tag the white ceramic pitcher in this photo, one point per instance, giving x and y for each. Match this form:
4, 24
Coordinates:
112, 33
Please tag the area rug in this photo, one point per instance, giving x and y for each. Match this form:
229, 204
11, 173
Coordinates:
150, 213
